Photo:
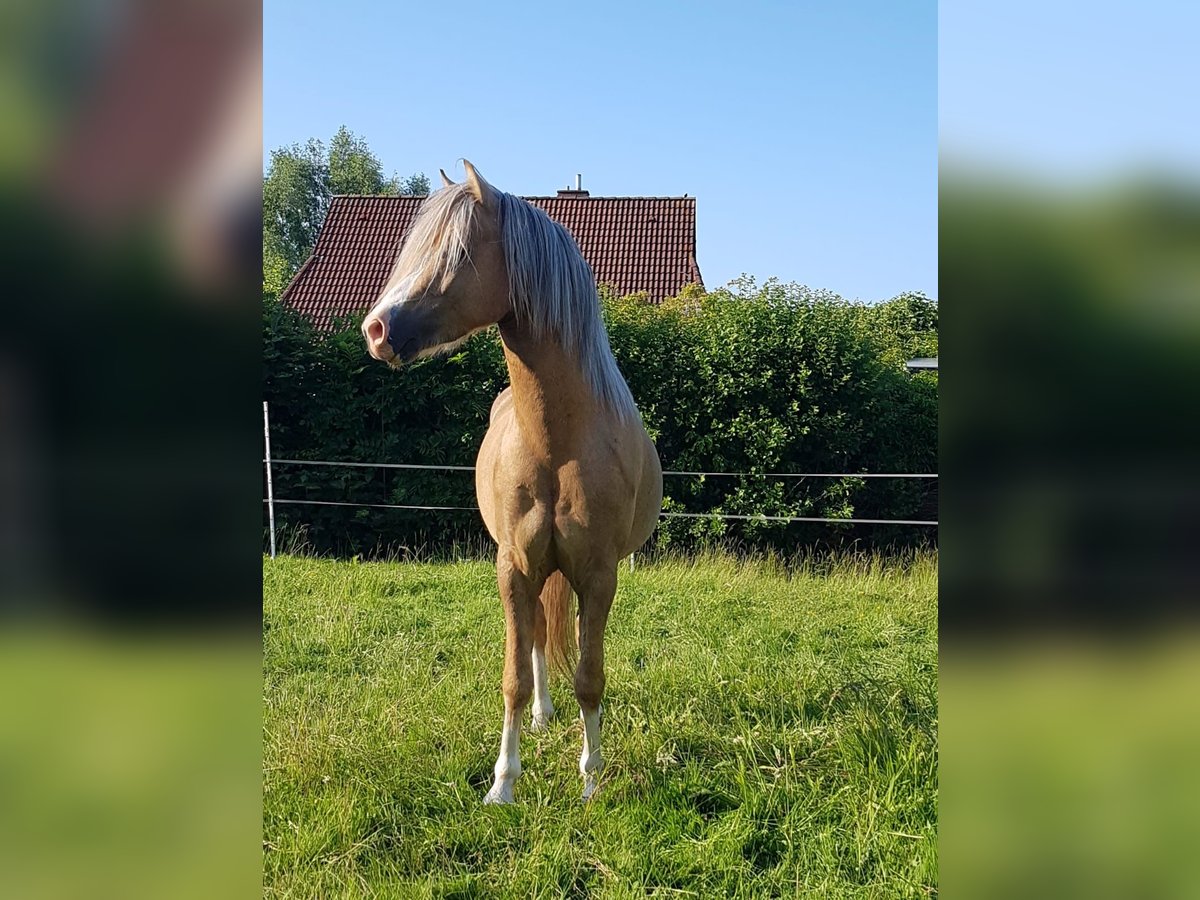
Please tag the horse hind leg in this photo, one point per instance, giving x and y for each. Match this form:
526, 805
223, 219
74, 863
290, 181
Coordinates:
543, 709
553, 643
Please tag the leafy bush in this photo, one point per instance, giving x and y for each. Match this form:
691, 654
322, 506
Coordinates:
751, 380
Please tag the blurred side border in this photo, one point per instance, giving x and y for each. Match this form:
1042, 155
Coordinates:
130, 429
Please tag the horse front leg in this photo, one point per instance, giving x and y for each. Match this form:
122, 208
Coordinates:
519, 596
595, 601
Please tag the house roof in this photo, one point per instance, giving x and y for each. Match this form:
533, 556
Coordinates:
632, 244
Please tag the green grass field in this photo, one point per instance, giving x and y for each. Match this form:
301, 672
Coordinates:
768, 734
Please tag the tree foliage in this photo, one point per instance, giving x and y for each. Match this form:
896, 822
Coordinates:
752, 380
301, 181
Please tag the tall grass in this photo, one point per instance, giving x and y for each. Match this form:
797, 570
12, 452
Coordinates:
770, 730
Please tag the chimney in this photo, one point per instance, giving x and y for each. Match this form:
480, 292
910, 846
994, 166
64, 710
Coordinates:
578, 192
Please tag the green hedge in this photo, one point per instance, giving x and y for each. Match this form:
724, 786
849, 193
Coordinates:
752, 379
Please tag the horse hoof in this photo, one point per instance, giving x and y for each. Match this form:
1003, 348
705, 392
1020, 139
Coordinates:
590, 786
541, 721
498, 796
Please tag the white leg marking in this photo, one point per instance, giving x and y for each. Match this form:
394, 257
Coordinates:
591, 762
543, 709
508, 763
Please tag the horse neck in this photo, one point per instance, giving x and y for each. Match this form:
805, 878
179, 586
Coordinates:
552, 399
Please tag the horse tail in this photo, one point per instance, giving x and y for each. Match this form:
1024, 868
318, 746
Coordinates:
558, 603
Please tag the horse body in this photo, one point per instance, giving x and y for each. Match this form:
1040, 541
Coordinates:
567, 478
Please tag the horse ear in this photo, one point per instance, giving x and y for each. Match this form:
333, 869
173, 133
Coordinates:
481, 190
446, 182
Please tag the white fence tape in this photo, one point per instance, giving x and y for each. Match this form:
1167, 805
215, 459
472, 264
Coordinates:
434, 467
271, 500
662, 515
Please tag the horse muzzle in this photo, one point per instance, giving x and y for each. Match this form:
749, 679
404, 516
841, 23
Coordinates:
399, 333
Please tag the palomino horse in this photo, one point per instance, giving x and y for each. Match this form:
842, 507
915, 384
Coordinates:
567, 479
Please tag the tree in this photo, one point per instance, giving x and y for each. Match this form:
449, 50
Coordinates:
297, 189
354, 169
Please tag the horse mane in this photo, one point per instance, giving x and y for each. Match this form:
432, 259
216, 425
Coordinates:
551, 287
553, 292
438, 244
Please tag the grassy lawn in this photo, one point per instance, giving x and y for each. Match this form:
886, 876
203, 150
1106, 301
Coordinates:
766, 733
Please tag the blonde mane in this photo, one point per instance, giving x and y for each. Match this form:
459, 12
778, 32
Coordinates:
437, 245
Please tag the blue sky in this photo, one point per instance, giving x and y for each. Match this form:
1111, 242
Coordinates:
806, 131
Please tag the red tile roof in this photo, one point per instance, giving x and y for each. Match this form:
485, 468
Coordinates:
632, 244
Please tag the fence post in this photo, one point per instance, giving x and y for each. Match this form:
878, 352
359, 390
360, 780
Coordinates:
270, 483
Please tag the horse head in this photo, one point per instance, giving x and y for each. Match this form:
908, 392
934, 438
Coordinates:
449, 280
